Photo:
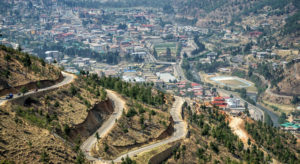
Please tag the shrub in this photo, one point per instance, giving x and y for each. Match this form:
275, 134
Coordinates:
132, 112
66, 129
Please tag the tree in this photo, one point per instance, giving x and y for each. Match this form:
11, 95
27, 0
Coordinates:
19, 48
185, 55
103, 94
183, 148
240, 146
105, 147
214, 147
168, 53
128, 160
249, 141
7, 58
122, 26
45, 157
282, 118
80, 159
73, 90
66, 129
154, 53
38, 84
246, 105
23, 90
27, 61
295, 100
97, 136
179, 48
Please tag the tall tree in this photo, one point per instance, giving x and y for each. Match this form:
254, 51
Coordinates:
168, 53
154, 53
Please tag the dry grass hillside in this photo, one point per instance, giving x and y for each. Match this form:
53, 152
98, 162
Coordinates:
290, 85
138, 126
39, 123
18, 69
21, 142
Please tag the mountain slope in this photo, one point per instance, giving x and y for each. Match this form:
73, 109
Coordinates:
19, 69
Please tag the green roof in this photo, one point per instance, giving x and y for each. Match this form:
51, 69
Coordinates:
288, 124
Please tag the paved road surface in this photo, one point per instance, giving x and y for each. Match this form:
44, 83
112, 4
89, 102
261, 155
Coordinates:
68, 78
118, 104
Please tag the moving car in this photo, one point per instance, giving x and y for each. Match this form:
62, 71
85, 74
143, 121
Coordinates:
10, 96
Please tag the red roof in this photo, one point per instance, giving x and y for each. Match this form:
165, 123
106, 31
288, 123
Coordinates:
182, 36
147, 25
181, 86
219, 98
67, 34
181, 82
194, 84
255, 33
218, 102
198, 93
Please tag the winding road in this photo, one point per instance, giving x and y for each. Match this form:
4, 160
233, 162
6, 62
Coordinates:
119, 104
180, 129
68, 78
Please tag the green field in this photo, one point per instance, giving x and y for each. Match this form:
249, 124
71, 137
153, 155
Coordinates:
161, 48
165, 45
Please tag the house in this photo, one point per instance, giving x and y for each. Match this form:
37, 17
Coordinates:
219, 102
212, 55
233, 102
290, 126
262, 55
238, 59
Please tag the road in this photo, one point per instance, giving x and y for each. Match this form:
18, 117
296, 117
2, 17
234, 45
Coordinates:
68, 78
118, 104
177, 67
180, 130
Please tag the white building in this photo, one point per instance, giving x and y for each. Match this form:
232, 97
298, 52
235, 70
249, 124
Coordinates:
233, 103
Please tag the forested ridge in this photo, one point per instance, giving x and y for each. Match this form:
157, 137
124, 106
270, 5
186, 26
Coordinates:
281, 144
142, 92
212, 140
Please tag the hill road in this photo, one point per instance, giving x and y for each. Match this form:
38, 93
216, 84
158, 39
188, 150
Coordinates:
68, 78
179, 133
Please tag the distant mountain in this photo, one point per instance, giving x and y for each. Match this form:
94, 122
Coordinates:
229, 11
